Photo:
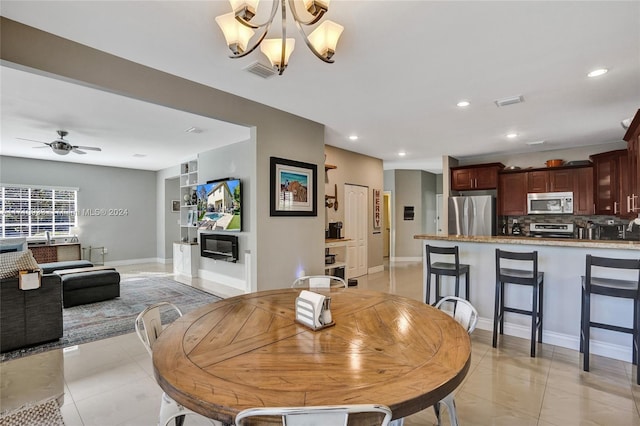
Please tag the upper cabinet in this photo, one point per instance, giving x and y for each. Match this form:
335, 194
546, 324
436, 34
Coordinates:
611, 179
512, 194
583, 191
632, 197
550, 181
476, 177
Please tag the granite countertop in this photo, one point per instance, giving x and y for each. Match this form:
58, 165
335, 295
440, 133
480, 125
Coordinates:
558, 242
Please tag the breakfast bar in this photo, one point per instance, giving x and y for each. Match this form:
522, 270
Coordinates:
563, 263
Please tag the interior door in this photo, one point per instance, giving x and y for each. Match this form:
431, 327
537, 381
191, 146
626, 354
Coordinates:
355, 229
386, 221
439, 230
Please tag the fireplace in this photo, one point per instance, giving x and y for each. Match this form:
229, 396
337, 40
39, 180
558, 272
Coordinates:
219, 246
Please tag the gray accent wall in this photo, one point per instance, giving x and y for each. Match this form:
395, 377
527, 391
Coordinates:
128, 235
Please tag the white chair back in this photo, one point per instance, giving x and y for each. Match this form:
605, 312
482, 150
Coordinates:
316, 415
319, 281
148, 324
463, 312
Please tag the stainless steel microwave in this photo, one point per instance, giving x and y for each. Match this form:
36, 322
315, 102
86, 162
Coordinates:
550, 203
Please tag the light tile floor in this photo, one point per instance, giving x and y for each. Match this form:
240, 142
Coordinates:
110, 382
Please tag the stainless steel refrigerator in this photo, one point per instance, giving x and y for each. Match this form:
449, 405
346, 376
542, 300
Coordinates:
472, 215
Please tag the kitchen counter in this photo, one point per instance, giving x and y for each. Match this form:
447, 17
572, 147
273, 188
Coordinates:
563, 263
533, 241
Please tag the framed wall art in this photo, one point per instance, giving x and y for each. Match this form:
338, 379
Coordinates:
293, 188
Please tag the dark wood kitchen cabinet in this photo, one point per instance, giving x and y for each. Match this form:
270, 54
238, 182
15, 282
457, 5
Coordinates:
611, 182
550, 181
583, 191
631, 199
512, 194
479, 176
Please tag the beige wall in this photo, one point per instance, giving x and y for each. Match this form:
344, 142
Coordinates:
356, 169
282, 243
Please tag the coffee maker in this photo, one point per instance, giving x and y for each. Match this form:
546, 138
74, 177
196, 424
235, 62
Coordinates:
335, 230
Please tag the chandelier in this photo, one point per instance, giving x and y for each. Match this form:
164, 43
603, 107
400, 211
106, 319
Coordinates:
239, 31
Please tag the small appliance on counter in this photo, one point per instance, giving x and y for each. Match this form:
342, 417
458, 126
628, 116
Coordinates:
612, 232
551, 230
515, 228
335, 230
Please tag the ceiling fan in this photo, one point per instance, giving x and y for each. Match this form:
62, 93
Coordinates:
62, 147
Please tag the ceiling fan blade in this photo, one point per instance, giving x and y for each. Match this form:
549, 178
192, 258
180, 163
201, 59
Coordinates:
32, 140
77, 151
43, 146
88, 148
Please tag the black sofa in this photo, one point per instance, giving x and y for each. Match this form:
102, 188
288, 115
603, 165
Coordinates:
30, 317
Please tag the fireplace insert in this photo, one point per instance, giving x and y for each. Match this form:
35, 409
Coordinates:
219, 246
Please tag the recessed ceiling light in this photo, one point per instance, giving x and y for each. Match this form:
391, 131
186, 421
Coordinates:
193, 130
598, 72
139, 155
535, 143
463, 104
402, 153
512, 135
353, 137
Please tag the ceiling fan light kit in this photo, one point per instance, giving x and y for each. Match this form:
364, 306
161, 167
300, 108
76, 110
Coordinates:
238, 30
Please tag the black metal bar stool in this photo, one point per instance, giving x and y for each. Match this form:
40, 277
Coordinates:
530, 277
439, 269
613, 287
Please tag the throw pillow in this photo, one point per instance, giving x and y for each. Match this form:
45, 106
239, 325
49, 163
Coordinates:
13, 262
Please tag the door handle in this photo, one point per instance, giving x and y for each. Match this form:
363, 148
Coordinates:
615, 207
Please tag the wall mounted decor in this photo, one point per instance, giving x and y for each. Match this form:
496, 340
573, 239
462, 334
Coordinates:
293, 188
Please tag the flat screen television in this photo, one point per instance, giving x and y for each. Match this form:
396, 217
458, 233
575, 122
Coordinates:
220, 205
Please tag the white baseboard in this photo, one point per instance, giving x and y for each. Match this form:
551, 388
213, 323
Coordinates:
137, 261
622, 353
376, 269
405, 259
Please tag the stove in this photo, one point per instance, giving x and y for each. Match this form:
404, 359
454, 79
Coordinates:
551, 230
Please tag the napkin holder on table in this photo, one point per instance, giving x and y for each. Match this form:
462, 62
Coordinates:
309, 310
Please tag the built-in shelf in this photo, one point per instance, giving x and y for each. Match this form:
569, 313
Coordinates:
329, 167
188, 209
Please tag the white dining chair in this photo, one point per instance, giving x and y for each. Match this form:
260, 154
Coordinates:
319, 281
325, 415
467, 316
148, 326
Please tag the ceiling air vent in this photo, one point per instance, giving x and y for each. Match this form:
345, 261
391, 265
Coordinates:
260, 70
509, 101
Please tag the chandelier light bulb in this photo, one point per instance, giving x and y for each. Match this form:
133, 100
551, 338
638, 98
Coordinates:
315, 6
236, 34
246, 9
325, 38
272, 48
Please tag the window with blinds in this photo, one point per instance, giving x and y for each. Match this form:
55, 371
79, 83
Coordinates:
32, 211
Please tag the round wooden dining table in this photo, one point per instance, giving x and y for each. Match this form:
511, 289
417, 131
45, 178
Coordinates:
248, 351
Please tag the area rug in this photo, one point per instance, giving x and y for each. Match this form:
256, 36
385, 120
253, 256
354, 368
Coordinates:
39, 414
96, 321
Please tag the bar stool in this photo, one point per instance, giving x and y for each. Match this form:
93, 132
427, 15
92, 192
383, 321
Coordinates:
530, 277
613, 287
439, 269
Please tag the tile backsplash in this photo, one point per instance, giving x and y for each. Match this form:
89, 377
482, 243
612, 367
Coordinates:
577, 220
